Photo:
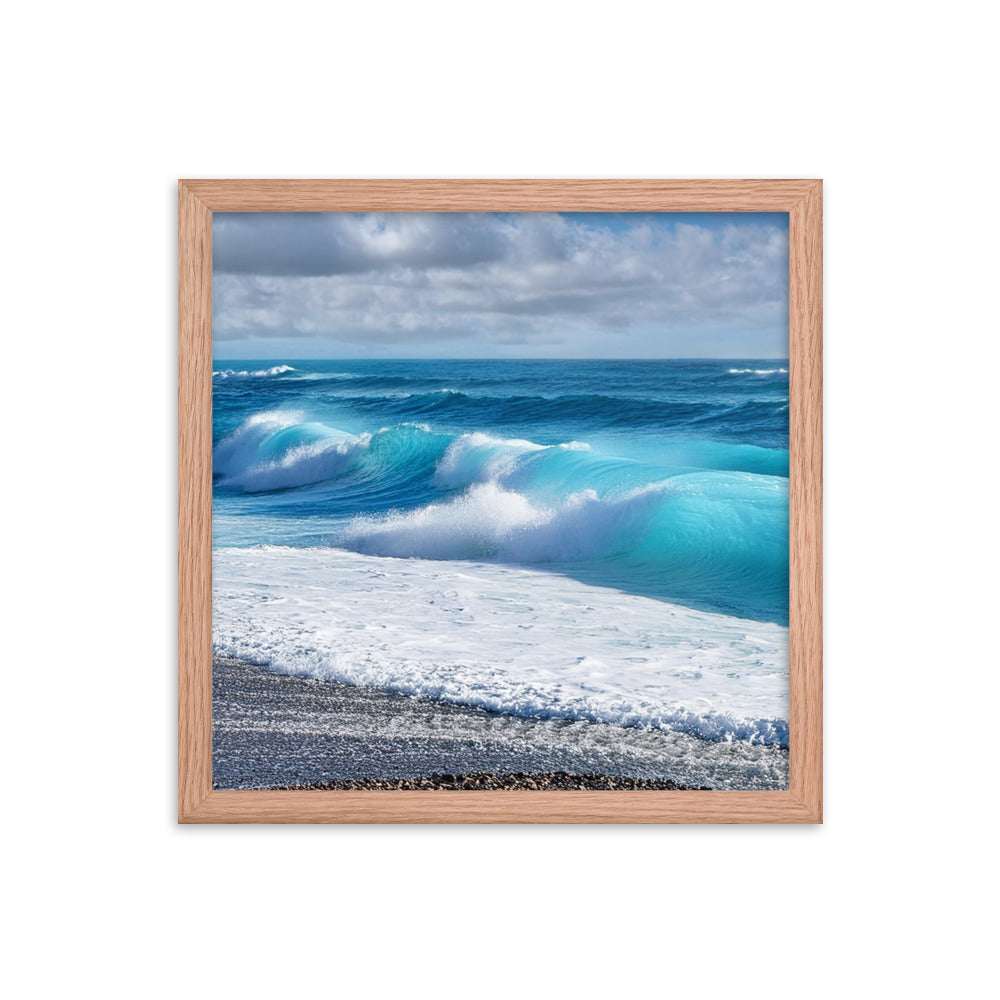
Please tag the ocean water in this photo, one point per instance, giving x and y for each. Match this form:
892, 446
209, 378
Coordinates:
603, 540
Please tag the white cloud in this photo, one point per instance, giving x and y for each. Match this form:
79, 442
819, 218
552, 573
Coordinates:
474, 285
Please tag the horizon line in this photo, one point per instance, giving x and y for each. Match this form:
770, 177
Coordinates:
733, 357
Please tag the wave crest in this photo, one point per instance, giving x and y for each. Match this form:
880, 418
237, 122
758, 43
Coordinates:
276, 450
260, 373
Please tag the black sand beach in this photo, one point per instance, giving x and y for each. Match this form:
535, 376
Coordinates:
271, 730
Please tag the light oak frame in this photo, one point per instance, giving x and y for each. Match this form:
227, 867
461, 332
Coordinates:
197, 801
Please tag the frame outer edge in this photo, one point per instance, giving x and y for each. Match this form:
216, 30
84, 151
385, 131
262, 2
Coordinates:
197, 199
194, 508
806, 500
500, 807
499, 195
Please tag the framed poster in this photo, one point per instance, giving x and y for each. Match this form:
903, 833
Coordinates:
500, 501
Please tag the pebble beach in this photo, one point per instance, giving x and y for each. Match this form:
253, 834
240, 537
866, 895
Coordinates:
271, 730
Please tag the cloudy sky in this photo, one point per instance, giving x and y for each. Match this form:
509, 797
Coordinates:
449, 285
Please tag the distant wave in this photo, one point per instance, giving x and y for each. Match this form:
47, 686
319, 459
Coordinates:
260, 373
758, 371
598, 410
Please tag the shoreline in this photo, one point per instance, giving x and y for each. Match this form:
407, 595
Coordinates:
277, 731
526, 641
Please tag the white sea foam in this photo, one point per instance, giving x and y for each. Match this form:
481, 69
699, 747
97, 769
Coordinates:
758, 371
507, 639
301, 376
260, 373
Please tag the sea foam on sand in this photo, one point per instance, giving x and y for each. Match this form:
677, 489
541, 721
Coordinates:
505, 638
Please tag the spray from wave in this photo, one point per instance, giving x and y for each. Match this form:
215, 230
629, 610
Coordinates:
489, 522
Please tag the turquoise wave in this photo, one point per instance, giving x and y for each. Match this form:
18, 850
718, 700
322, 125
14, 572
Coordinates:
701, 522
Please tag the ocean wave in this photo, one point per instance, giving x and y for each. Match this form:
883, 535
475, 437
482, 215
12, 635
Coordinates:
694, 536
409, 491
758, 371
260, 373
281, 450
479, 458
278, 450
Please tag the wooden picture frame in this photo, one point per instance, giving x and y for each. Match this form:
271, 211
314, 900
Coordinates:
197, 801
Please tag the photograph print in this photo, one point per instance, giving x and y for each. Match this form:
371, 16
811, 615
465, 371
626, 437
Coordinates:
500, 501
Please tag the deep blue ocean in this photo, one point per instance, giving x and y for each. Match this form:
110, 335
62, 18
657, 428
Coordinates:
667, 479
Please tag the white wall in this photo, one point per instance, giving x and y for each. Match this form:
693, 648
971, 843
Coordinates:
108, 105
